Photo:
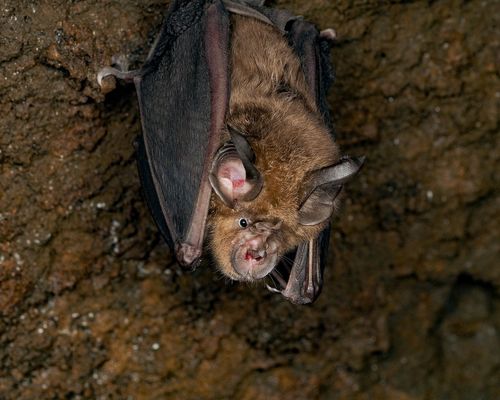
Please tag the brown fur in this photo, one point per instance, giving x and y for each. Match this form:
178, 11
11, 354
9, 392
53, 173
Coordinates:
271, 103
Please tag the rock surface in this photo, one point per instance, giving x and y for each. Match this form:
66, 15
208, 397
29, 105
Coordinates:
91, 305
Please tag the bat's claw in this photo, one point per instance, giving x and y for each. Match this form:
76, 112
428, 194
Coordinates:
272, 289
104, 72
107, 71
120, 72
328, 34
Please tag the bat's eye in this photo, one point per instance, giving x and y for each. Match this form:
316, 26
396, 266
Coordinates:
243, 223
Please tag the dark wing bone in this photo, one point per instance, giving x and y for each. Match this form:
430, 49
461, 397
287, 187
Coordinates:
183, 97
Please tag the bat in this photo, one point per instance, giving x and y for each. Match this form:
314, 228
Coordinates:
237, 144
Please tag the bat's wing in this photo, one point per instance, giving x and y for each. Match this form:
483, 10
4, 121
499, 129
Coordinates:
301, 279
183, 94
306, 277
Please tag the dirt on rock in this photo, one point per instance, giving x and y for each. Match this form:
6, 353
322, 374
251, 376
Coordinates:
92, 305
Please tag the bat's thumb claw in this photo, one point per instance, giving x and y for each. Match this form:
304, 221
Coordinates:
104, 72
272, 289
328, 34
107, 71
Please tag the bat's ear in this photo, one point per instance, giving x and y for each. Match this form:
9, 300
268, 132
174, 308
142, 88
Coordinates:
234, 176
323, 186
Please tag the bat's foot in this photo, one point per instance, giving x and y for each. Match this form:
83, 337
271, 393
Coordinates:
299, 282
119, 70
328, 34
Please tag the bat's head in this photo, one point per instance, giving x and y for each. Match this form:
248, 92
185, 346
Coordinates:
246, 247
249, 246
255, 250
256, 226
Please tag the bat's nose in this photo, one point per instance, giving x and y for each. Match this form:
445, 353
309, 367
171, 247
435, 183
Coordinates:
253, 263
255, 244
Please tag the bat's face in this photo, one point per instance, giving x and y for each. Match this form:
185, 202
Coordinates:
251, 238
257, 224
245, 249
255, 249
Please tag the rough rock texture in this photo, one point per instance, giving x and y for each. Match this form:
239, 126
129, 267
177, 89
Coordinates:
91, 305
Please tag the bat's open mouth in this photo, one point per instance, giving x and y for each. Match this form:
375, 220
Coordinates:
252, 264
255, 255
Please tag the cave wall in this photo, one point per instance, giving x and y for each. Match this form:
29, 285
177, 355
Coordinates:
91, 303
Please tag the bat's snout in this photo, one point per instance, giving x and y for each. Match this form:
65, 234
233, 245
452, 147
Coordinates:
253, 259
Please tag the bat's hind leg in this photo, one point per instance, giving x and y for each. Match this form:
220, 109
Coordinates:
119, 69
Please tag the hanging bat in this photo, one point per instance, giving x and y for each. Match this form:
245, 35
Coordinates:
237, 141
